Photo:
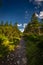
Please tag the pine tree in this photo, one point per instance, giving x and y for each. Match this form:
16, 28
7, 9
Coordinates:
33, 26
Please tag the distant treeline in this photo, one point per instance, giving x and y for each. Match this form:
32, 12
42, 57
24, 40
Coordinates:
9, 30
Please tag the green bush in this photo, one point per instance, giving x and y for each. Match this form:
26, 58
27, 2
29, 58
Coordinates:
34, 49
3, 46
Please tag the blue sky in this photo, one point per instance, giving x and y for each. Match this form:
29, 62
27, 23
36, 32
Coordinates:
20, 11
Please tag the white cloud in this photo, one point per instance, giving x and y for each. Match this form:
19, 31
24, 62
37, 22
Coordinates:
21, 30
36, 14
19, 25
24, 25
40, 15
36, 2
39, 0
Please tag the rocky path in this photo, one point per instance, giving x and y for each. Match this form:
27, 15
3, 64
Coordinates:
20, 53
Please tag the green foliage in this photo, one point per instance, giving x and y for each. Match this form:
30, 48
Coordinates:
33, 36
7, 46
9, 38
3, 47
34, 49
9, 30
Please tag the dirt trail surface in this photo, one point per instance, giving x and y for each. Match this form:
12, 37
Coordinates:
20, 53
17, 57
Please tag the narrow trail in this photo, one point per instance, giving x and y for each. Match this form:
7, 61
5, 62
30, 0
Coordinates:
20, 53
